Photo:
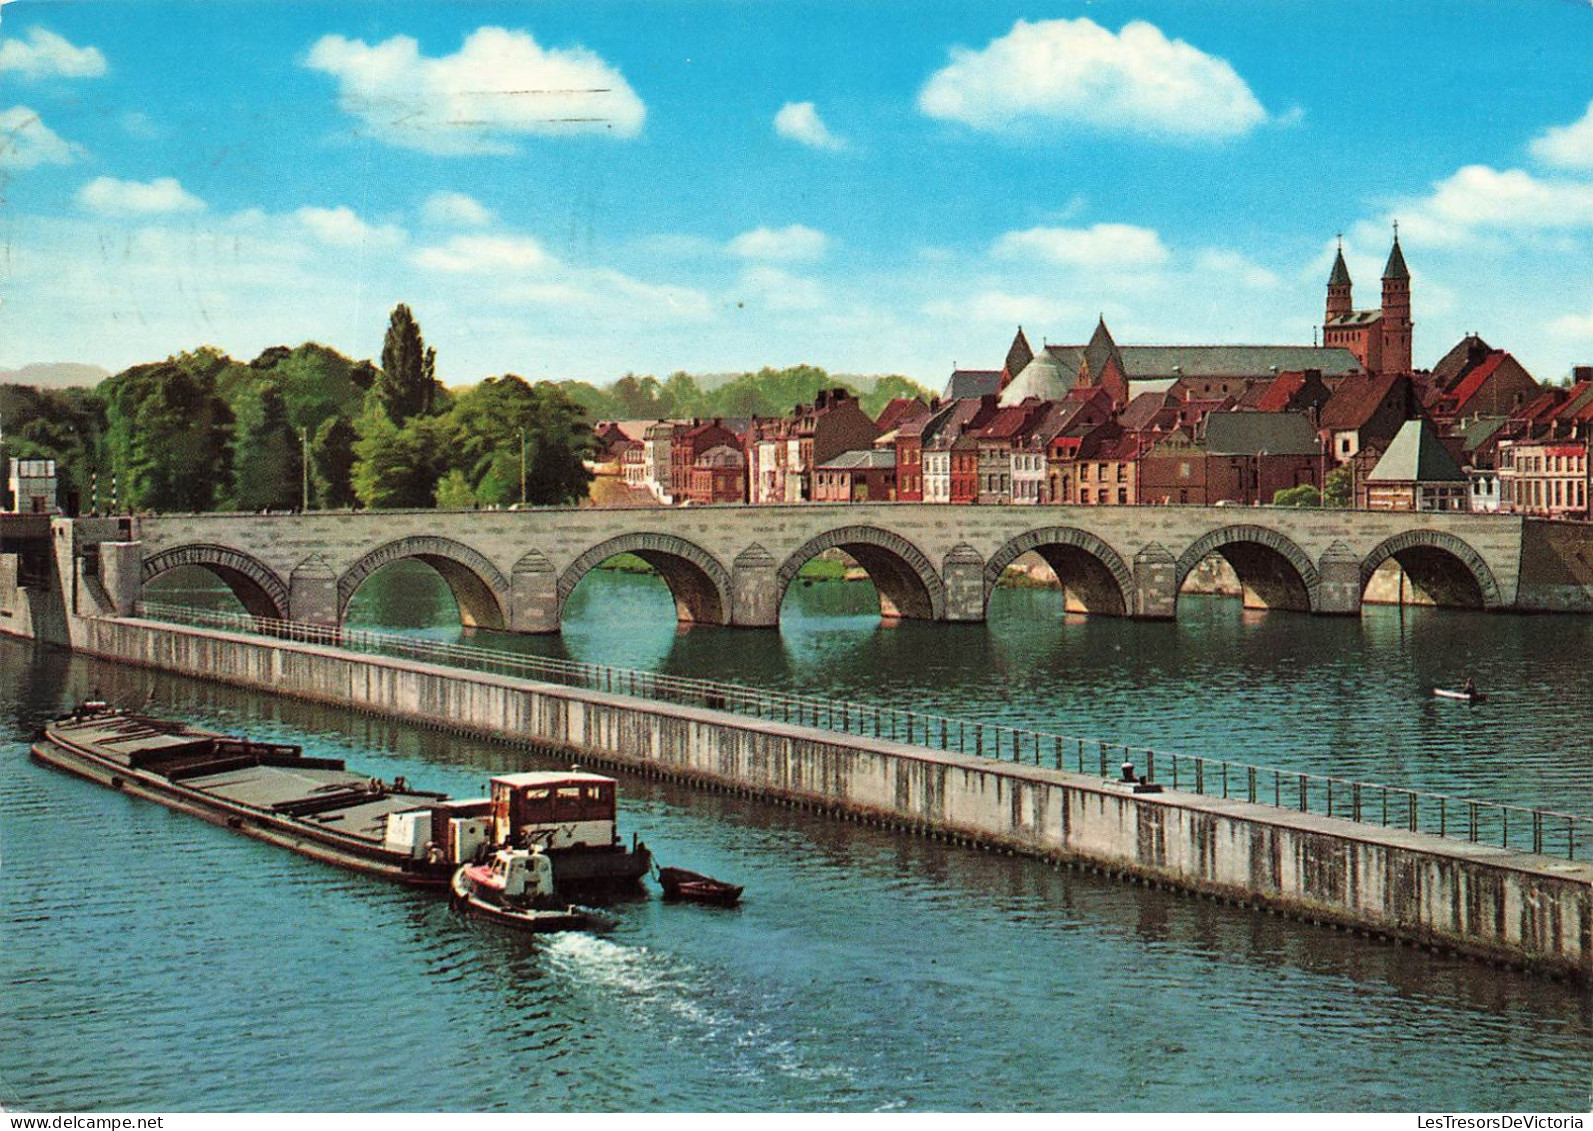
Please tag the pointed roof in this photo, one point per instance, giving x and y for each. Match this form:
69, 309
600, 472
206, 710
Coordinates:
1417, 455
1101, 350
1341, 273
1396, 263
1044, 378
1019, 354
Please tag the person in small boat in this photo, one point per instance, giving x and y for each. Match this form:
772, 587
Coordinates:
1470, 686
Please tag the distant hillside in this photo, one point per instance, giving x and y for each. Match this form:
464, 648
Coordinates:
55, 375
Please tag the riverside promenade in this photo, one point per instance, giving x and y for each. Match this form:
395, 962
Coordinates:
1456, 891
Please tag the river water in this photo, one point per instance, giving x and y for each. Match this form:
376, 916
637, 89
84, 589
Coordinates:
151, 961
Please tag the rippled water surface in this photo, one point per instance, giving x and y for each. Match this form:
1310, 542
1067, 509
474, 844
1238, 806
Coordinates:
151, 961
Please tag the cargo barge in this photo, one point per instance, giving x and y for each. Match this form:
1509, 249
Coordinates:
319, 808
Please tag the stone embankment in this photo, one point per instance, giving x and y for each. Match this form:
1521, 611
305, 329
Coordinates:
1485, 901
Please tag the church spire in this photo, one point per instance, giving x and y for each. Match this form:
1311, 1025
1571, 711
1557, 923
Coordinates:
1396, 268
1339, 301
1396, 322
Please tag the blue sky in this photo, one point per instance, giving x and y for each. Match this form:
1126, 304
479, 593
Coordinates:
585, 189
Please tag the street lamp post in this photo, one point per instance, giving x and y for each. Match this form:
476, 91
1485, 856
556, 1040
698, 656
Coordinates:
522, 467
304, 461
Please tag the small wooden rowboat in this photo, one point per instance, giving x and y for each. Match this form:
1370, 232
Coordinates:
1459, 693
697, 888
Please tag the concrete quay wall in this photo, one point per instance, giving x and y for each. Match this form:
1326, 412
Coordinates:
1497, 904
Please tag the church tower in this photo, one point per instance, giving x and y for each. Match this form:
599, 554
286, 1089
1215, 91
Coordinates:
1338, 297
1396, 322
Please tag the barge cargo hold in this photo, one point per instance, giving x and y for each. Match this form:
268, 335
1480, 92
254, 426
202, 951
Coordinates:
319, 808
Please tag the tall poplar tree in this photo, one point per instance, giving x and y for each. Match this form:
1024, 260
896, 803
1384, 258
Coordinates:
407, 386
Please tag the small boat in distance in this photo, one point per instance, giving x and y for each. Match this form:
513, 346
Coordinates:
514, 888
1469, 696
697, 888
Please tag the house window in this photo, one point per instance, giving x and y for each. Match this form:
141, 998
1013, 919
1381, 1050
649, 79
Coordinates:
1344, 445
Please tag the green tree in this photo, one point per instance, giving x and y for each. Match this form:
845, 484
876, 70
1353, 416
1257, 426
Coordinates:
397, 467
889, 388
454, 492
487, 422
407, 385
332, 463
168, 433
267, 455
1303, 495
66, 425
1339, 487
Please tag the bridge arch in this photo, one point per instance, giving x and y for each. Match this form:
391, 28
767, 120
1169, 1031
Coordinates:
1442, 568
908, 584
256, 585
697, 581
479, 589
1275, 572
1093, 576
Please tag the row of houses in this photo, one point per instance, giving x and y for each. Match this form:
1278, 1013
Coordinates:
1098, 424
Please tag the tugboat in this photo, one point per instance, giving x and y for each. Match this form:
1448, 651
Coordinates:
571, 817
515, 888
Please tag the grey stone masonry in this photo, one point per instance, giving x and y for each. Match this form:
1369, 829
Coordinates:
733, 564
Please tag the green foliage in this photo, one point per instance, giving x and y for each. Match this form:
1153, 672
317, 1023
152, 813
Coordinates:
487, 423
332, 463
1339, 487
66, 425
1304, 495
267, 456
887, 389
169, 432
316, 382
407, 385
398, 467
454, 492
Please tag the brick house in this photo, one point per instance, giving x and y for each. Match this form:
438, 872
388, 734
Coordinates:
719, 476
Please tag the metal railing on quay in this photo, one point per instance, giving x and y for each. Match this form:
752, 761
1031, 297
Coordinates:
1541, 831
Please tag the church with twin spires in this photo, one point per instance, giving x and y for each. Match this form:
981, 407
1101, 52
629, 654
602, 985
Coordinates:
1379, 339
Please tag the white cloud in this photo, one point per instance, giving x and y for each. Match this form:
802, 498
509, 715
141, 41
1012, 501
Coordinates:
795, 242
1001, 308
47, 55
1570, 147
1220, 263
26, 142
1481, 199
500, 84
1075, 71
774, 289
340, 227
107, 196
800, 122
1101, 245
1576, 328
484, 255
455, 210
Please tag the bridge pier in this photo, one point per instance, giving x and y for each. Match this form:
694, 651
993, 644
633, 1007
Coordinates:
1155, 584
312, 593
1339, 590
963, 573
755, 589
533, 595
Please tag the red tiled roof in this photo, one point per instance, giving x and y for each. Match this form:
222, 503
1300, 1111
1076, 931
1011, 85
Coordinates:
1280, 392
1473, 381
898, 410
1355, 400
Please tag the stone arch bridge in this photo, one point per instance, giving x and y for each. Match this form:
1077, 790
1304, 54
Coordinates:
733, 564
